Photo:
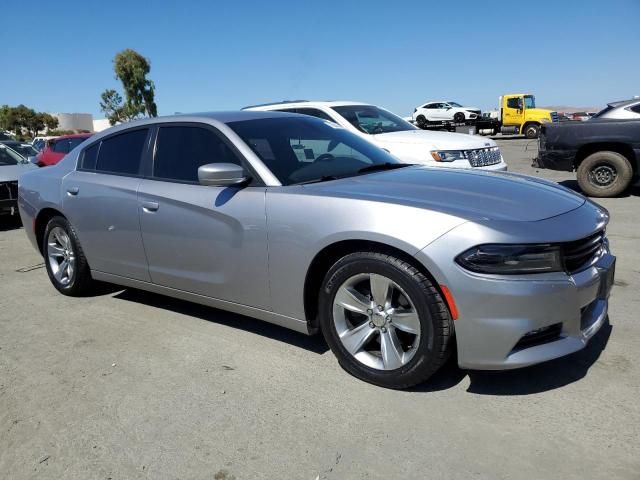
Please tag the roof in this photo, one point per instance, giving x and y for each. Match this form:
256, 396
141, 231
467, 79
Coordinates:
75, 135
624, 103
305, 103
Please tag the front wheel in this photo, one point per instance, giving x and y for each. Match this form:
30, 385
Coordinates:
64, 259
384, 320
532, 131
604, 174
458, 117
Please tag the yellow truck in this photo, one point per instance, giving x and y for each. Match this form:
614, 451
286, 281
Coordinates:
517, 115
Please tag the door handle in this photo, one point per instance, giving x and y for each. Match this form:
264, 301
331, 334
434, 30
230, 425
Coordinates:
150, 206
73, 191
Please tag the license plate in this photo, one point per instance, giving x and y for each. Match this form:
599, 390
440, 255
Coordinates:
606, 281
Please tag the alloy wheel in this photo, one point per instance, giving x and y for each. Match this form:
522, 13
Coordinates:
376, 321
61, 256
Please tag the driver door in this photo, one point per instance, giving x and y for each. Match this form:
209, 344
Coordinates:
206, 240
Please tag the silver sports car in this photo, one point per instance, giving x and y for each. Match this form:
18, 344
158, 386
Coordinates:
295, 221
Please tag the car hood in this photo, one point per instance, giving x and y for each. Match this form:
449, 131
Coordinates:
471, 195
10, 173
435, 140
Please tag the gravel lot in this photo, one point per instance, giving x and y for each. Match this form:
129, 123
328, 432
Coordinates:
128, 385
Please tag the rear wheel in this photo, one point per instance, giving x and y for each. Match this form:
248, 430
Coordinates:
384, 320
64, 259
604, 174
421, 121
532, 131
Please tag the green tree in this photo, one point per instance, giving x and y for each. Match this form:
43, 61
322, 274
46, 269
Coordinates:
131, 69
22, 118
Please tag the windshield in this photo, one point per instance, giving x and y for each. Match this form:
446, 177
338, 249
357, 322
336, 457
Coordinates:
24, 149
454, 104
9, 157
607, 109
373, 120
300, 150
529, 101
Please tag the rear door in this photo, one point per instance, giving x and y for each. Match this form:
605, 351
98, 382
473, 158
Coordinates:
201, 239
100, 201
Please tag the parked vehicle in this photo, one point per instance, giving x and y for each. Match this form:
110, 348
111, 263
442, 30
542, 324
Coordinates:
12, 165
626, 109
441, 110
299, 222
39, 142
399, 137
604, 153
56, 148
518, 114
6, 136
23, 148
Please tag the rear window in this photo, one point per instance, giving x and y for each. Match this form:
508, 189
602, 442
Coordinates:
635, 108
120, 154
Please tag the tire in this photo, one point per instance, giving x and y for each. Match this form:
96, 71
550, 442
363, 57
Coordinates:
532, 131
60, 244
604, 174
458, 117
398, 346
421, 121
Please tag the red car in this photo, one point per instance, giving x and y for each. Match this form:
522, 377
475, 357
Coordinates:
58, 147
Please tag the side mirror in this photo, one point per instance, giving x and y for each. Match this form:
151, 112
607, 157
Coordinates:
33, 160
221, 174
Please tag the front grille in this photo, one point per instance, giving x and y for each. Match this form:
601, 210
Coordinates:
484, 156
554, 116
8, 191
583, 253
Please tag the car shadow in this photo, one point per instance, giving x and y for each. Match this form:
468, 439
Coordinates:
315, 343
633, 191
10, 222
524, 381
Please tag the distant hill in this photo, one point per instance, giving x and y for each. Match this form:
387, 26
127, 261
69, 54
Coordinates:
568, 109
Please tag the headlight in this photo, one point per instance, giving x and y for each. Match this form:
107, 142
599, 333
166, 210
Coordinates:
449, 156
512, 259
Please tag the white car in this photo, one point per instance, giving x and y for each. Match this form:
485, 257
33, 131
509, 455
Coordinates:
444, 111
626, 109
398, 137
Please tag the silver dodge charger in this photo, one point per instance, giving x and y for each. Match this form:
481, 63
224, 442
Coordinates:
298, 222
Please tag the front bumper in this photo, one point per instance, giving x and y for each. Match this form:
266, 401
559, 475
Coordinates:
561, 160
499, 313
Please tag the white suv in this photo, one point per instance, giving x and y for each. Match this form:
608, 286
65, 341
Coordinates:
444, 111
400, 138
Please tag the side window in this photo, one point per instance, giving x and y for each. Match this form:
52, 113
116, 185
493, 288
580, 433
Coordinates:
635, 108
122, 153
314, 112
181, 150
90, 157
61, 146
514, 102
428, 105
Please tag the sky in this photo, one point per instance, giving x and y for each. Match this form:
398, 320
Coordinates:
215, 55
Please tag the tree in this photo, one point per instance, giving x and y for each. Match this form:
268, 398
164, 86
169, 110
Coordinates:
131, 69
23, 118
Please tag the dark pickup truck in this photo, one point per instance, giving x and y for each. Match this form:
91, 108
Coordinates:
605, 153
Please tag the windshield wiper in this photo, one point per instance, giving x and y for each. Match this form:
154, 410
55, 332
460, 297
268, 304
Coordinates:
324, 178
384, 166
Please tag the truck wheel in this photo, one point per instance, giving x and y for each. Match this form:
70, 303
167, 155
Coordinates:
421, 121
604, 174
532, 131
458, 117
